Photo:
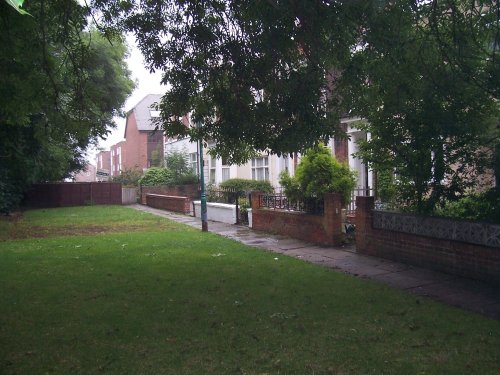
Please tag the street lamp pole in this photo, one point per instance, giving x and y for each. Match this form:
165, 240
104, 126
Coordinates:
204, 222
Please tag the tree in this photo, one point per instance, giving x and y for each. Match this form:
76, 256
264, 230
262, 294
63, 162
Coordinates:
255, 74
60, 86
423, 81
276, 76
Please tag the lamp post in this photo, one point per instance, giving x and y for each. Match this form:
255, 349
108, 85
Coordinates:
204, 223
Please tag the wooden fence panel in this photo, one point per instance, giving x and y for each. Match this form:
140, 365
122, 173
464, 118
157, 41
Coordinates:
67, 194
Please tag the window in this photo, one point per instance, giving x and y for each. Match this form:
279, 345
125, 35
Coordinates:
260, 168
226, 171
212, 170
193, 162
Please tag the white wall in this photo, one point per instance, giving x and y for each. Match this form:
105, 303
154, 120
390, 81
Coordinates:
221, 212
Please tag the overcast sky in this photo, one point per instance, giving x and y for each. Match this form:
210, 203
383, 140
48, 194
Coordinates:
146, 83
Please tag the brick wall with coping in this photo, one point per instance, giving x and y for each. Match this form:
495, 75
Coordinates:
323, 229
190, 191
455, 257
169, 203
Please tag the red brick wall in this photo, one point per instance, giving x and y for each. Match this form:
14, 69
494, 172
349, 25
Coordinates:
322, 230
170, 203
190, 191
454, 257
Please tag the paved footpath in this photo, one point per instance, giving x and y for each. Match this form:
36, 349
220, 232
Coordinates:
465, 293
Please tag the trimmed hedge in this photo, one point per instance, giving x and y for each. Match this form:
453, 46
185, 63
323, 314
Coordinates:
241, 184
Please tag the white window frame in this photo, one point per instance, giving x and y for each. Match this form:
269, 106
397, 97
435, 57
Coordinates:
193, 162
260, 168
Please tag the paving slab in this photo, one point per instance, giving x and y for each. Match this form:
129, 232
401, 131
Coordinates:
464, 293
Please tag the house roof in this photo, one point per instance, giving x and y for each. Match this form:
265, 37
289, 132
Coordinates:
142, 111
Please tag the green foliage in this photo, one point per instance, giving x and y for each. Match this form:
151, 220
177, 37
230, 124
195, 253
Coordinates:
386, 186
177, 162
291, 187
129, 177
165, 176
318, 173
156, 156
244, 205
478, 207
241, 184
430, 104
61, 84
276, 76
237, 67
157, 176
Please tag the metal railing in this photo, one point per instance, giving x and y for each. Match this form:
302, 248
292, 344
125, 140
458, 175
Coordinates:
358, 192
281, 202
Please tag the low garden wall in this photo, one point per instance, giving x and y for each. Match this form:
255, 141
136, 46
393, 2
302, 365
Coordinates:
190, 191
323, 229
169, 203
457, 247
222, 212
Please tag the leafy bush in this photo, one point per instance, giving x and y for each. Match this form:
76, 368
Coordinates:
157, 176
176, 172
186, 179
177, 162
129, 177
241, 184
386, 187
478, 207
244, 205
319, 173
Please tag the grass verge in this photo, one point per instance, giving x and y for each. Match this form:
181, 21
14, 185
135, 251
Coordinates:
169, 299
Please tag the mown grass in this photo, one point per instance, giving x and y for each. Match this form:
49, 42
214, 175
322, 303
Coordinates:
178, 301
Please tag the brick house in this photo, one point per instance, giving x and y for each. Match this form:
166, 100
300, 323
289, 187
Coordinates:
118, 158
268, 167
86, 175
143, 146
103, 164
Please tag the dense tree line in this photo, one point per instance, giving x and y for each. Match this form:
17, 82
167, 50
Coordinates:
61, 83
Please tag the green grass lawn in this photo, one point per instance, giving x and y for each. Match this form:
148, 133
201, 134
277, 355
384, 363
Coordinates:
115, 291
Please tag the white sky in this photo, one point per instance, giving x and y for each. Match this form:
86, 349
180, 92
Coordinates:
146, 83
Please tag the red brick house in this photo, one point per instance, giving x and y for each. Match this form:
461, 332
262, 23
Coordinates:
103, 164
86, 175
143, 145
118, 158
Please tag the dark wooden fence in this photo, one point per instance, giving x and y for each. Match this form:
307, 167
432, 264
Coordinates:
65, 194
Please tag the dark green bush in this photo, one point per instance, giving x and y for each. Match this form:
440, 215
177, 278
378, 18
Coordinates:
319, 173
129, 177
386, 186
477, 207
177, 162
157, 176
241, 184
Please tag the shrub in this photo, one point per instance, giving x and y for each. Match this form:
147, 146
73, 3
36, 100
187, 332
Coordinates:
129, 177
386, 186
478, 207
241, 184
177, 162
157, 176
319, 173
